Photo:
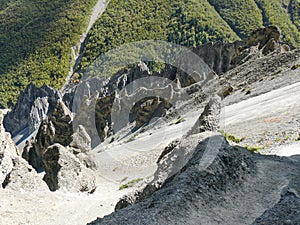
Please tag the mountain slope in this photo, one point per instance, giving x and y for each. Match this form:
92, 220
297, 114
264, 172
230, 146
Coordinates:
242, 16
36, 37
189, 23
294, 9
274, 13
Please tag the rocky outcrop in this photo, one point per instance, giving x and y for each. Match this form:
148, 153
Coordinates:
146, 109
65, 171
209, 118
177, 153
81, 140
32, 107
15, 173
286, 211
8, 151
23, 177
56, 128
263, 73
61, 153
93, 104
222, 57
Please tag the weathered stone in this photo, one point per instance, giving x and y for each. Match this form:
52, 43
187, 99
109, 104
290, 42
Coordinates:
56, 128
23, 177
81, 140
8, 151
65, 171
146, 109
222, 57
209, 118
32, 107
15, 173
207, 181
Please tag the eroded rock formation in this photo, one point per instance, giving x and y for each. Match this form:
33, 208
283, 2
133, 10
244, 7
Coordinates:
65, 171
15, 172
56, 128
32, 107
222, 57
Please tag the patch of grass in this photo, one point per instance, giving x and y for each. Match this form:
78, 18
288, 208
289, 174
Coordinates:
130, 184
179, 120
253, 148
132, 138
287, 138
260, 140
231, 137
294, 67
278, 139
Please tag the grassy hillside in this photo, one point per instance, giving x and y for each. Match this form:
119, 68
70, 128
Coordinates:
35, 40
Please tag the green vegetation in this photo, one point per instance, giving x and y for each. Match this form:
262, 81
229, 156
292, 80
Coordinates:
253, 149
188, 23
242, 16
298, 138
294, 10
275, 14
294, 67
35, 40
231, 137
130, 184
278, 139
179, 120
132, 138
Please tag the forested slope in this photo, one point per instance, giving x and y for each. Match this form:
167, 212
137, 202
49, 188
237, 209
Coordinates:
35, 40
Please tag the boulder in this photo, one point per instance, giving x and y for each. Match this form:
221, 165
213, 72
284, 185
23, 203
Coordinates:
23, 177
63, 171
287, 210
8, 151
81, 140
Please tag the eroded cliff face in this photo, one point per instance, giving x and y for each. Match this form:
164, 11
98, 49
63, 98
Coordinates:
33, 106
222, 57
